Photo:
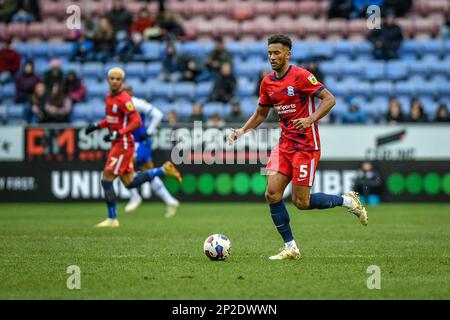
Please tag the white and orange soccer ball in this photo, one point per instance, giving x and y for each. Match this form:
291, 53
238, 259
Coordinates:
217, 247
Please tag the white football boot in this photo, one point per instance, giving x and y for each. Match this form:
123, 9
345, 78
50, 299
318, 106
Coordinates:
287, 253
172, 209
108, 223
133, 204
357, 208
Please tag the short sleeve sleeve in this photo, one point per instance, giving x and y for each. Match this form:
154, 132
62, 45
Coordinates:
264, 98
309, 85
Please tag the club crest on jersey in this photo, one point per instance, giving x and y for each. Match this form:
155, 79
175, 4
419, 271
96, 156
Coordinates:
114, 108
129, 105
290, 91
312, 79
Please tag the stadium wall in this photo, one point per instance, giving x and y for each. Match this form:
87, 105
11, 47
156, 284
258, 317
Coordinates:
59, 163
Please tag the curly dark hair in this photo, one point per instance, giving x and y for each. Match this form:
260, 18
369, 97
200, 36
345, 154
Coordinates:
280, 38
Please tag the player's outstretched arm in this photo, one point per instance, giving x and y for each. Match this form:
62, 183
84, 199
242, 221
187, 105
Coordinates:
253, 122
95, 126
327, 102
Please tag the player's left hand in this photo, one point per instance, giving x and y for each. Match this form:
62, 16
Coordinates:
112, 136
302, 123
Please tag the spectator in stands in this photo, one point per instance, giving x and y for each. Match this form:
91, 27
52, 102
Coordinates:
119, 17
386, 40
38, 101
9, 61
25, 83
262, 73
442, 114
218, 57
340, 9
172, 118
104, 41
170, 25
215, 121
224, 85
54, 76
172, 64
399, 7
142, 22
83, 48
416, 113
394, 113
74, 88
90, 22
197, 113
236, 115
354, 115
28, 11
58, 106
7, 10
128, 47
191, 69
369, 183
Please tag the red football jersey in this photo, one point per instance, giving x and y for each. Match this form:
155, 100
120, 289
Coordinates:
293, 97
118, 109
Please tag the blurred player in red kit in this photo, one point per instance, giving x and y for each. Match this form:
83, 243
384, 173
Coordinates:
291, 90
121, 120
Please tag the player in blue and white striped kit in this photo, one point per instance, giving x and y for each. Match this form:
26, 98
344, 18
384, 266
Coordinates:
151, 117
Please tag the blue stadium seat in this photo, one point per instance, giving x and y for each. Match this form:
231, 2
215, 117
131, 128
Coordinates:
81, 112
353, 68
300, 50
245, 88
63, 49
257, 48
139, 87
8, 90
136, 69
203, 89
211, 108
362, 88
363, 49
439, 67
404, 101
396, 70
153, 69
162, 90
404, 88
237, 48
434, 47
23, 48
71, 66
182, 107
382, 88
428, 88
151, 50
374, 71
196, 49
332, 67
322, 49
92, 69
344, 47
249, 105
41, 49
443, 88
429, 106
15, 111
184, 90
410, 47
97, 89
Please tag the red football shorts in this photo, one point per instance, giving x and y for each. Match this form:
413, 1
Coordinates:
119, 161
300, 166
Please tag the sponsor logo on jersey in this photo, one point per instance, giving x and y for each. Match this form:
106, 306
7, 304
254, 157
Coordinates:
114, 108
111, 119
290, 91
312, 79
129, 105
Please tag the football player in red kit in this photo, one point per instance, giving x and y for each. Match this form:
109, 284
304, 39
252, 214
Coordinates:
291, 91
121, 120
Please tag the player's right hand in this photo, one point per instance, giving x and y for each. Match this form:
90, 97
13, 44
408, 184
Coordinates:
112, 136
91, 128
234, 135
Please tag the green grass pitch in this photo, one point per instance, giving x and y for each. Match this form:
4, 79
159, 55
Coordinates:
150, 257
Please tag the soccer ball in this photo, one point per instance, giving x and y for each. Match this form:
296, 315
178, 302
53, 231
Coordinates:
217, 247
